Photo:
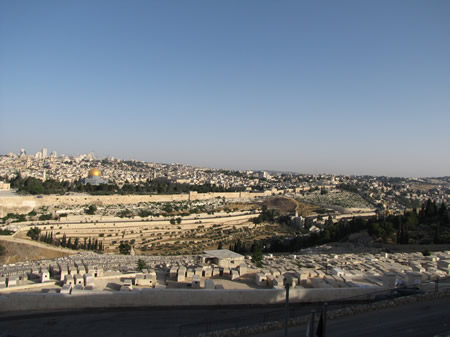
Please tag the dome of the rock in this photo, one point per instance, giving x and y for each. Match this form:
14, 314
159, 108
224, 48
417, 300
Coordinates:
94, 173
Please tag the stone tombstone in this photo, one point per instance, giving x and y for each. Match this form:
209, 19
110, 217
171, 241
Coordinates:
216, 271
209, 284
78, 288
45, 275
78, 279
173, 272
181, 277
66, 289
68, 279
260, 279
196, 282
207, 271
413, 278
234, 274
62, 274
243, 269
88, 279
12, 281
389, 280
190, 272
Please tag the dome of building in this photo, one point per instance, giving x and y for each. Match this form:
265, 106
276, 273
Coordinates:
94, 173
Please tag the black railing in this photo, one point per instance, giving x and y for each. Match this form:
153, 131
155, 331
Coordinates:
193, 330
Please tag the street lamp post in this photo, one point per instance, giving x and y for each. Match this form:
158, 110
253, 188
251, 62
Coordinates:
287, 285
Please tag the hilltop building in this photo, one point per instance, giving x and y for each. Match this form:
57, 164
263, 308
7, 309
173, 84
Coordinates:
94, 178
222, 258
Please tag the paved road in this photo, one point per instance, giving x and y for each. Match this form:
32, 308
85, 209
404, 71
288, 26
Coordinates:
114, 323
426, 319
142, 220
414, 320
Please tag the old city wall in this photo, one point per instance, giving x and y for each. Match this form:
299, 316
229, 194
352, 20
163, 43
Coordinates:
171, 297
18, 205
25, 204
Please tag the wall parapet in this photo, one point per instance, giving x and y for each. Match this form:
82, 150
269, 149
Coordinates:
170, 297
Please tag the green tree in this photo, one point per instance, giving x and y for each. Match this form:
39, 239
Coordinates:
45, 217
91, 210
76, 243
124, 249
257, 256
34, 233
437, 234
64, 241
329, 222
2, 250
426, 252
141, 265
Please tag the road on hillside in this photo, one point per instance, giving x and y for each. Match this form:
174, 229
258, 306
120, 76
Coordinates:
426, 319
42, 223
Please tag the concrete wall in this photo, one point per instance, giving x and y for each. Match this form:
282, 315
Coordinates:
170, 297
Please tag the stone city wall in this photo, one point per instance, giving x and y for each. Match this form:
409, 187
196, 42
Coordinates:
25, 204
18, 205
170, 297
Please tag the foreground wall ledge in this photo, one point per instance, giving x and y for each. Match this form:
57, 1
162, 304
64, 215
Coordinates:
172, 298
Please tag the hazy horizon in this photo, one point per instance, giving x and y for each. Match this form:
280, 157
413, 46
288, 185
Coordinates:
355, 88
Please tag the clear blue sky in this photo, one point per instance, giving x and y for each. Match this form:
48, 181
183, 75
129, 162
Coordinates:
345, 87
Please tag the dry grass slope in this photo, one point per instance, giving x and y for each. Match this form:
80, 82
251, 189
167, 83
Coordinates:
288, 206
21, 252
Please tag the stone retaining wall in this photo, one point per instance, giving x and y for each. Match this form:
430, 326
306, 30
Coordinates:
171, 297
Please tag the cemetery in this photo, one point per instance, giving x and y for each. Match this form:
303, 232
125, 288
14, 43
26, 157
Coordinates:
211, 278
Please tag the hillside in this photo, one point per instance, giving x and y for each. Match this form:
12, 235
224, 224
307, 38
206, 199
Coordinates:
21, 252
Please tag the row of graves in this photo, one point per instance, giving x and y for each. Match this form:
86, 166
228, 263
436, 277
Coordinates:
25, 274
192, 272
353, 270
198, 277
120, 267
212, 264
80, 272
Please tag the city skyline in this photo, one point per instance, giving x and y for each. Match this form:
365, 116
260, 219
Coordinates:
92, 156
339, 88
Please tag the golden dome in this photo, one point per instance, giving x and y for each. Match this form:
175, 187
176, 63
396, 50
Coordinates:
94, 173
